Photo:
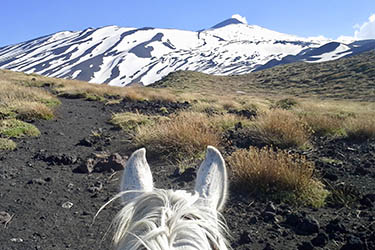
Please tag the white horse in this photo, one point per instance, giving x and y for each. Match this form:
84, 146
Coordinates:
157, 219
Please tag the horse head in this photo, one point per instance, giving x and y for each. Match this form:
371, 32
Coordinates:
161, 219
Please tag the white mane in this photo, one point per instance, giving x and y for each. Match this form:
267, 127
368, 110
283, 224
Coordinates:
166, 219
157, 219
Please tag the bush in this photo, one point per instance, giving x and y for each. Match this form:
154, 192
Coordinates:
183, 136
277, 174
281, 128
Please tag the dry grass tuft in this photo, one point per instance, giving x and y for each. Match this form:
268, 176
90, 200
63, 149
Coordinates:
323, 124
7, 144
129, 121
183, 136
26, 102
277, 174
360, 127
281, 128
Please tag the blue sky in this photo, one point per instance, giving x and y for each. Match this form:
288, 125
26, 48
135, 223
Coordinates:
23, 20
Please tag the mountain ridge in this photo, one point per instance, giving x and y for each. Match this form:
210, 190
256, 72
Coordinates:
124, 55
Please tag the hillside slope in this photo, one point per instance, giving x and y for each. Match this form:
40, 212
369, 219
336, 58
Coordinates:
121, 56
346, 78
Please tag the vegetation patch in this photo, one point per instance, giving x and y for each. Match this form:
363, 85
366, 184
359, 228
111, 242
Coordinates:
280, 128
323, 124
360, 127
278, 175
129, 121
286, 103
184, 136
7, 144
24, 102
342, 195
14, 128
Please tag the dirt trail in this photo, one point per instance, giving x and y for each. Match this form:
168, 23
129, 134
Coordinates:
52, 206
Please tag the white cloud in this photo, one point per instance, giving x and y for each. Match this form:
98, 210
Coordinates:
240, 18
366, 30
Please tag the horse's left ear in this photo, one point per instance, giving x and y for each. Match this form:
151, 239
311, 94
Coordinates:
137, 176
211, 183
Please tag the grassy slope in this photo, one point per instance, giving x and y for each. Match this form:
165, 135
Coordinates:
347, 78
333, 83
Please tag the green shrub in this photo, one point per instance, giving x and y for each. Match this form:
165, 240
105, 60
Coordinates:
15, 128
7, 144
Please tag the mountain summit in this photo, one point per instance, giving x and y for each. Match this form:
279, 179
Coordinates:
121, 56
235, 19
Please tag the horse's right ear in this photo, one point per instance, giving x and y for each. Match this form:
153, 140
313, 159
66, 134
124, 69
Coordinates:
211, 183
137, 176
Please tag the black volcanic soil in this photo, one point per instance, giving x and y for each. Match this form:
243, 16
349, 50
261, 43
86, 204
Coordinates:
45, 203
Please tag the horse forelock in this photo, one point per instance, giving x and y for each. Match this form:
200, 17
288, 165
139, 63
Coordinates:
167, 219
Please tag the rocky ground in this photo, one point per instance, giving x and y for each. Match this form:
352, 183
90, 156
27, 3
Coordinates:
52, 186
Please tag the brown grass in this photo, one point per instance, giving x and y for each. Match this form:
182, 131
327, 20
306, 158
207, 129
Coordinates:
360, 127
25, 102
183, 136
281, 128
324, 124
277, 174
129, 121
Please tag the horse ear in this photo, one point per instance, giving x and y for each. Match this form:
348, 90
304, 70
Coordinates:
211, 183
137, 175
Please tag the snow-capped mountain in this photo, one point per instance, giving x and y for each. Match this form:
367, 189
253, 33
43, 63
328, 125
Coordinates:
121, 56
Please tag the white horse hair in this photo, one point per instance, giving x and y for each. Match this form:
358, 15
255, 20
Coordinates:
157, 219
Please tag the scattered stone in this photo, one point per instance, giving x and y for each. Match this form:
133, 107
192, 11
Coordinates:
269, 247
67, 205
370, 197
335, 226
96, 187
87, 142
306, 246
16, 240
330, 176
293, 219
56, 159
155, 107
270, 217
87, 167
253, 220
308, 226
5, 218
302, 224
245, 238
114, 162
103, 163
271, 207
361, 171
366, 201
320, 240
187, 175
39, 181
354, 242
